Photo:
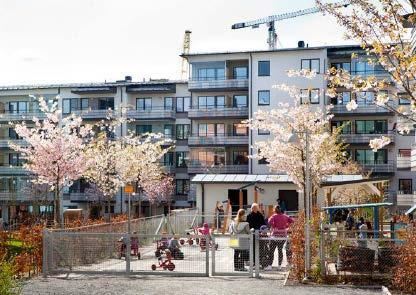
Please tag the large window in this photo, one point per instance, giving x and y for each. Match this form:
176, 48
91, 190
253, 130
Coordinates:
18, 107
211, 74
66, 106
405, 152
365, 98
106, 103
264, 97
403, 99
144, 103
346, 66
309, 96
182, 186
210, 102
240, 101
369, 157
311, 64
15, 159
210, 158
240, 72
240, 129
371, 126
365, 68
346, 126
240, 158
405, 186
13, 134
264, 68
141, 129
182, 131
207, 130
168, 159
181, 159
168, 103
183, 104
168, 130
84, 103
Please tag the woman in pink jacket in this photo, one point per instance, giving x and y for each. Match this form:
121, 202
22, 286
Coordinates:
279, 224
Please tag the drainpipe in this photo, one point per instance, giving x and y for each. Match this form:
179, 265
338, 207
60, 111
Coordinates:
202, 199
121, 126
251, 111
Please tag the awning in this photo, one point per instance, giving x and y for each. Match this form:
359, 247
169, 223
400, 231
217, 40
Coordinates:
240, 178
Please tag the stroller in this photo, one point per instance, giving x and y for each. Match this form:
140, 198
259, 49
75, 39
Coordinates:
121, 247
161, 246
164, 261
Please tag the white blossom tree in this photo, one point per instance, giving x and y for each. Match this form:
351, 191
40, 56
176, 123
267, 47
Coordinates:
55, 151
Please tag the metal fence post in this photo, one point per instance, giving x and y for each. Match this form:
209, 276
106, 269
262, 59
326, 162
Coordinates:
45, 253
213, 256
321, 251
207, 255
257, 253
251, 255
128, 251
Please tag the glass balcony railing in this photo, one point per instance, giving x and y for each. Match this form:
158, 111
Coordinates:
218, 112
365, 138
231, 168
152, 113
218, 139
378, 166
217, 84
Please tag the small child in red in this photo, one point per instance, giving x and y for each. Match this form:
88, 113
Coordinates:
204, 230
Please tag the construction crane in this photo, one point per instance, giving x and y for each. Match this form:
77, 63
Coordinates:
270, 21
186, 47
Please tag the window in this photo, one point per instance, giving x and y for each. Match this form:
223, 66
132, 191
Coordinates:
264, 97
368, 157
405, 152
183, 104
168, 130
141, 129
84, 103
106, 103
168, 159
240, 73
15, 159
18, 107
211, 157
403, 99
209, 102
13, 134
240, 129
346, 66
208, 130
311, 64
168, 103
365, 98
181, 158
309, 96
211, 74
240, 158
264, 68
240, 101
405, 186
345, 97
182, 186
182, 131
346, 126
263, 132
371, 126
143, 104
66, 106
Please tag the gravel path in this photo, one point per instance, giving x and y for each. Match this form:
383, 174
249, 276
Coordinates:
107, 285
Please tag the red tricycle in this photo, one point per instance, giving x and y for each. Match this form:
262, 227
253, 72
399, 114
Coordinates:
121, 247
164, 261
189, 239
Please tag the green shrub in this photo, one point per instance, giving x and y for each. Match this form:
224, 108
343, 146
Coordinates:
8, 285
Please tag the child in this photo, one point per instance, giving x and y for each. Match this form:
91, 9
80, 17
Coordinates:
204, 230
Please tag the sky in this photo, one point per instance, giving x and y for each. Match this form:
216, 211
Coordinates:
66, 41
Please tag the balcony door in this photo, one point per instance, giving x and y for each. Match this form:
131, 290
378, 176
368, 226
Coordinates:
405, 186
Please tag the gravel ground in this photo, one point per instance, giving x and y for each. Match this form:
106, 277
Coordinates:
107, 285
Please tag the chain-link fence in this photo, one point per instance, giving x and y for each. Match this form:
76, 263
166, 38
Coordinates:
352, 253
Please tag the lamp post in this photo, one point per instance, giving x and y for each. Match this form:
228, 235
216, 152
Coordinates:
129, 189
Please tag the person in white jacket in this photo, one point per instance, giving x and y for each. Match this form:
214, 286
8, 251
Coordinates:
239, 226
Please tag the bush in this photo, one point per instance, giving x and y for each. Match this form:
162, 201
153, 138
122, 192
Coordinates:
8, 285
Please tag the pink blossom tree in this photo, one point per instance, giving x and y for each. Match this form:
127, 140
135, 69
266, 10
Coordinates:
159, 190
55, 151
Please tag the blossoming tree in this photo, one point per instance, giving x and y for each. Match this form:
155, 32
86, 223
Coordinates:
55, 150
159, 189
382, 29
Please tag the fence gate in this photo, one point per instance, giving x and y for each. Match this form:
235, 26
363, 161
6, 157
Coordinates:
227, 259
106, 253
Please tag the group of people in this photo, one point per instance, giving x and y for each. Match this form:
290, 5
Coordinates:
277, 226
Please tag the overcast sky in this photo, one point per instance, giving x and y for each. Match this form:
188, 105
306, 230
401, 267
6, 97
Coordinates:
50, 41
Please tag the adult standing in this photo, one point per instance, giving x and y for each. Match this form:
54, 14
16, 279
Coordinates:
240, 226
255, 220
279, 224
219, 215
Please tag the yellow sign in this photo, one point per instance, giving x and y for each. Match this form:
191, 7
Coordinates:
129, 189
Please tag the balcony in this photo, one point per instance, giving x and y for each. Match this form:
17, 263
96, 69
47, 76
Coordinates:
225, 112
13, 170
375, 167
152, 113
403, 162
406, 198
379, 74
5, 143
218, 140
21, 116
218, 85
359, 138
217, 169
365, 109
93, 113
77, 197
169, 168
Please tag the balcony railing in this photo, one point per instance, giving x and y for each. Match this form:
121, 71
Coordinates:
379, 74
78, 197
217, 169
406, 198
151, 113
196, 112
224, 84
196, 139
93, 113
13, 170
376, 167
361, 109
5, 143
21, 116
365, 138
169, 168
403, 162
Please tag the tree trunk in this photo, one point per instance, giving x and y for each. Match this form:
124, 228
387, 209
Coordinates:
57, 213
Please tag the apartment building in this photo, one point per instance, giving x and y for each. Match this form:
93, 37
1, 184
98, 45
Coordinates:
204, 115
